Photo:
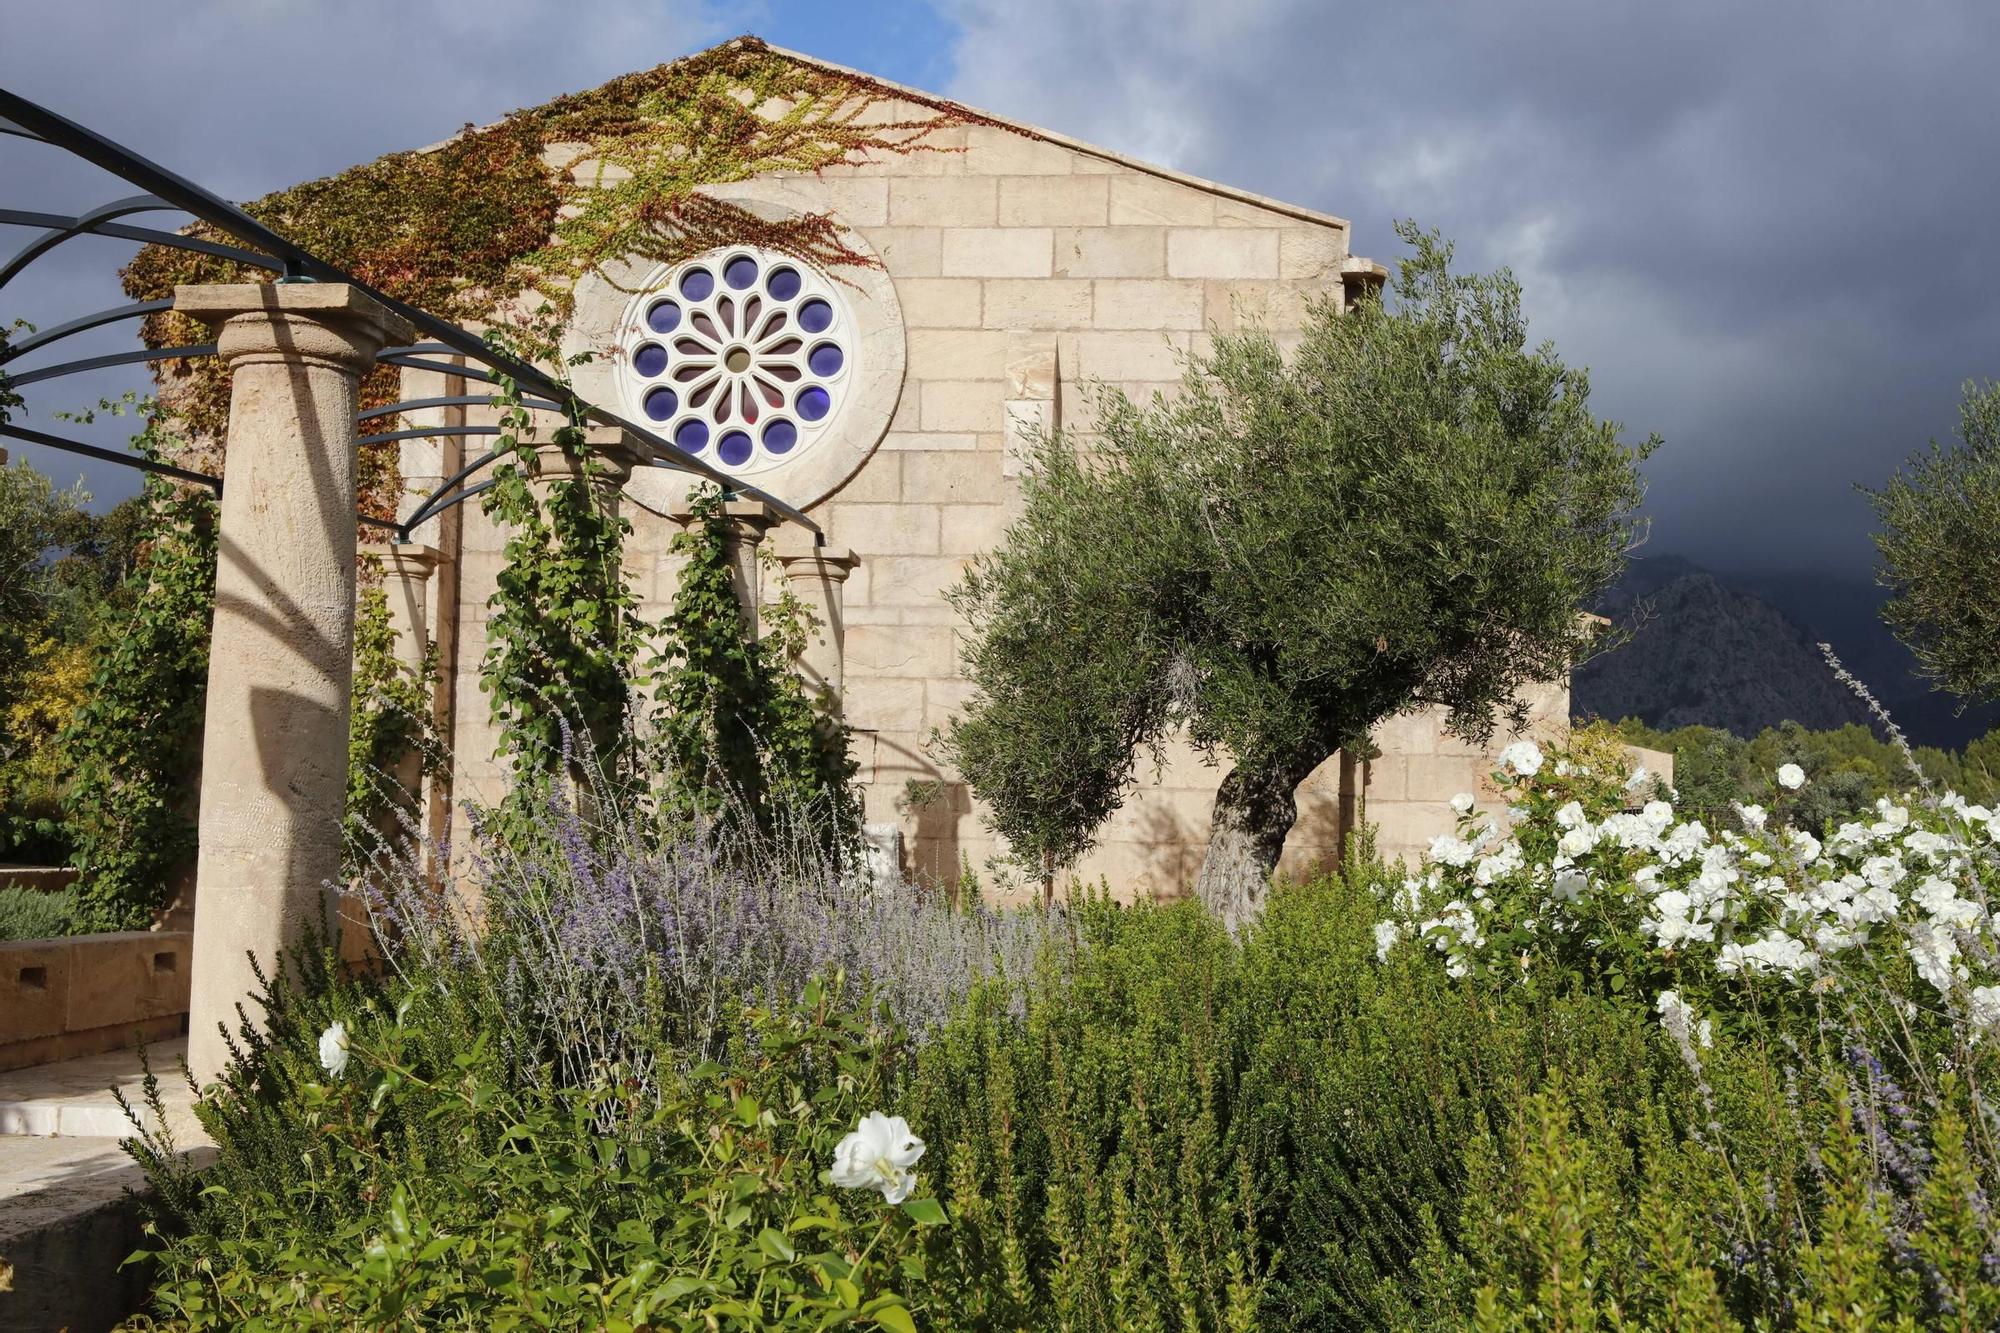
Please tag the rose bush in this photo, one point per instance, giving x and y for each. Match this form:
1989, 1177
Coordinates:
1573, 882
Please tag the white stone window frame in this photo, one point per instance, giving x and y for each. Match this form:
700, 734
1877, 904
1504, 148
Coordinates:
603, 323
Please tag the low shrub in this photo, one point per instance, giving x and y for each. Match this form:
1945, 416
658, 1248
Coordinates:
378, 1172
34, 914
1482, 1095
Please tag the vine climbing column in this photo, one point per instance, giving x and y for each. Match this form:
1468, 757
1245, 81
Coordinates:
744, 523
817, 576
274, 747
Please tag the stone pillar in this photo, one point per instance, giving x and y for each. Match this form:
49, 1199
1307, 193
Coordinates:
274, 747
406, 584
817, 576
406, 573
744, 523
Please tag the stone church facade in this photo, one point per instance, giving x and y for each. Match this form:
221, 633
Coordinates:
892, 402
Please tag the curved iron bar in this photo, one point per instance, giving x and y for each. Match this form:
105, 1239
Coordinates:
297, 262
14, 217
441, 367
430, 506
62, 368
9, 127
460, 400
137, 310
81, 224
424, 432
109, 455
425, 515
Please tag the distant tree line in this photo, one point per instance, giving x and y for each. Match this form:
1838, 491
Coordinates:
1848, 769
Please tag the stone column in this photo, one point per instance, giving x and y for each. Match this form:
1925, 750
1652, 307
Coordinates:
406, 572
817, 576
274, 747
744, 523
406, 584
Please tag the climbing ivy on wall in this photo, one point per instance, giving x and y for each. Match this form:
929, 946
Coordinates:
133, 749
549, 194
733, 718
510, 216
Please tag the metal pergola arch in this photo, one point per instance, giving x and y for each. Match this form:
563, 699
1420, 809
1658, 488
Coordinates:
263, 248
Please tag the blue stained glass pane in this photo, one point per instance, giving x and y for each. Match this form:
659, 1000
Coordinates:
740, 272
697, 283
664, 317
650, 360
734, 448
691, 435
780, 436
661, 404
783, 284
815, 316
825, 359
814, 403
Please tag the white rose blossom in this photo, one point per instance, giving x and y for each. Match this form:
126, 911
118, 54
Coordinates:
333, 1050
1462, 803
1522, 758
878, 1155
1791, 777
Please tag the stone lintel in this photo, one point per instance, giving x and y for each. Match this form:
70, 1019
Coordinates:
329, 322
407, 559
612, 451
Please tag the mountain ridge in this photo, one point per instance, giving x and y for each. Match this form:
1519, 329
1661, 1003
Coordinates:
1740, 652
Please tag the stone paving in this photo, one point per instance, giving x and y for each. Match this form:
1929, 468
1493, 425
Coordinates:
73, 1098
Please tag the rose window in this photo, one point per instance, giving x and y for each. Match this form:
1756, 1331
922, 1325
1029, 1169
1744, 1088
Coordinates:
739, 356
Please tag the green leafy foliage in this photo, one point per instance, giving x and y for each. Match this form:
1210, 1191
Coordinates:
561, 633
1848, 769
420, 1182
132, 748
733, 717
1940, 546
1405, 512
35, 914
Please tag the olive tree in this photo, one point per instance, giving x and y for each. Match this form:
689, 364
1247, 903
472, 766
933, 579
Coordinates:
1408, 510
1940, 545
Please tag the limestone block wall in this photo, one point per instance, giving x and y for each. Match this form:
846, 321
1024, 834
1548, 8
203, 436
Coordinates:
1026, 271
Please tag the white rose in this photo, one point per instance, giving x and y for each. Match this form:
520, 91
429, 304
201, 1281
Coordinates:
1986, 1006
878, 1155
1462, 803
1386, 935
1791, 777
1753, 816
1522, 758
333, 1050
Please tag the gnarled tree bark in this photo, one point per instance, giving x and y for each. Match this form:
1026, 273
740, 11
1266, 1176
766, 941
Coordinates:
1254, 813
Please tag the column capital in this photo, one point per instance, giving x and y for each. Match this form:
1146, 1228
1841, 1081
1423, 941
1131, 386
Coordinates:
612, 451
747, 518
407, 559
802, 559
324, 323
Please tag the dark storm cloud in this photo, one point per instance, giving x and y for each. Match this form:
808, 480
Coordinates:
247, 97
1769, 229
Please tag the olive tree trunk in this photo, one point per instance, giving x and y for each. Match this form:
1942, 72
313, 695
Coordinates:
1254, 813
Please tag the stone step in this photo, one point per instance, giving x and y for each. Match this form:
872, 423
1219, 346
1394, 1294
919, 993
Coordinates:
74, 1099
